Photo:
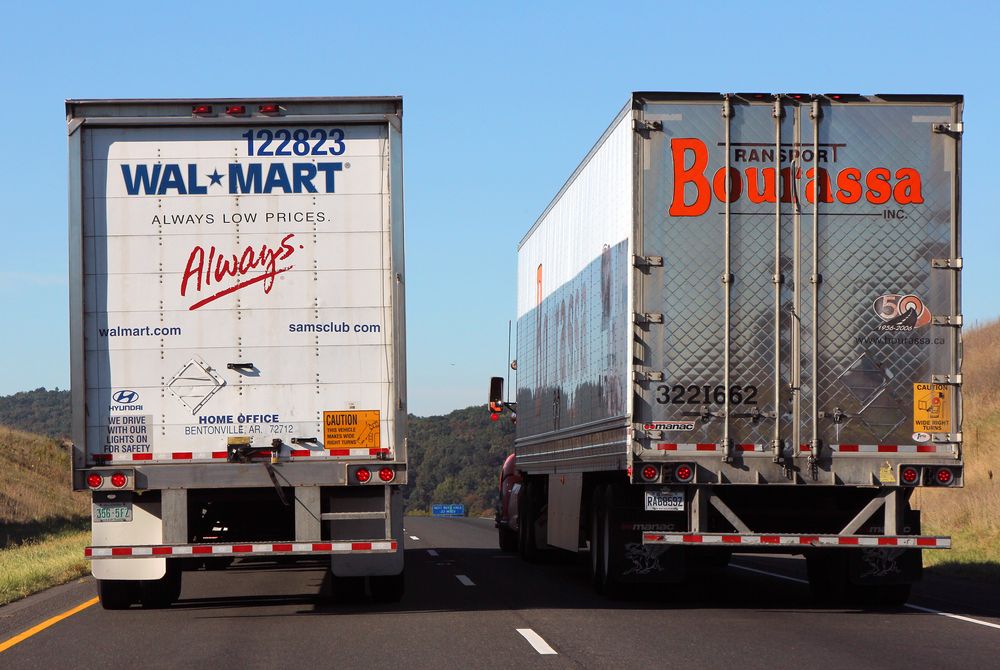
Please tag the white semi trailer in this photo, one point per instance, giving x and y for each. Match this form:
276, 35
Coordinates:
739, 328
237, 337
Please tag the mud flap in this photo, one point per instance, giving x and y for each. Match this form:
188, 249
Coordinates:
889, 565
629, 560
881, 566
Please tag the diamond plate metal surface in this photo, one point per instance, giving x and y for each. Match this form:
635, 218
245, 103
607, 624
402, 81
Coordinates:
864, 255
866, 249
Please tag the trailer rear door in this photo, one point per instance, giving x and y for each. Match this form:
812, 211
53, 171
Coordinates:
816, 304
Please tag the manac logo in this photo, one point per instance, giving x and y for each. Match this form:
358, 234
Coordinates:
125, 397
901, 313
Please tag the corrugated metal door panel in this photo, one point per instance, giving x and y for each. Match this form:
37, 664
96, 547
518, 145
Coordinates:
685, 224
874, 333
886, 196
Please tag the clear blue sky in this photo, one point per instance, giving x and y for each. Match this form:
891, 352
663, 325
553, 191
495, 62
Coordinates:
501, 102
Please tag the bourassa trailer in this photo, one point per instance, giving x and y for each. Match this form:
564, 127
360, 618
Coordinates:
739, 329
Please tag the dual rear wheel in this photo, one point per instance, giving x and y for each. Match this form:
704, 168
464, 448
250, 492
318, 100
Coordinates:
119, 594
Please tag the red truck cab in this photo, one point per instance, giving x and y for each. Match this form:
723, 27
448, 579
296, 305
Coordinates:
506, 511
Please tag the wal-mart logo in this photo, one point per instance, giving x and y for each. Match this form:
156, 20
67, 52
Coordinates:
242, 178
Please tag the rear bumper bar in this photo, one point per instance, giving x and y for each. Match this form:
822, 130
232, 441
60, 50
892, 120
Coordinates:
798, 541
243, 549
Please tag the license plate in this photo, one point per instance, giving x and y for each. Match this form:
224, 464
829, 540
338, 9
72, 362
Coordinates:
115, 511
664, 500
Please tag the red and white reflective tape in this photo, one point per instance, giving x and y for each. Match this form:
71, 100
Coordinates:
765, 540
883, 448
243, 549
709, 446
187, 456
838, 448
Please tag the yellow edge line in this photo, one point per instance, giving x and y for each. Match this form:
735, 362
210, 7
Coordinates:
7, 644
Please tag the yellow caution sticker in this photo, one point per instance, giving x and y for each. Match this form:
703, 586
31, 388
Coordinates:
359, 428
931, 408
885, 474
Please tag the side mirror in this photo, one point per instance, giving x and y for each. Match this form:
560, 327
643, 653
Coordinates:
496, 394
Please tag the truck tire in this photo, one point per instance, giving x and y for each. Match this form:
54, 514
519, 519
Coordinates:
387, 588
827, 572
892, 596
116, 594
609, 540
347, 589
163, 592
219, 563
596, 535
508, 539
526, 542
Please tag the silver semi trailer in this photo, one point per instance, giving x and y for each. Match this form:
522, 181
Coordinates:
739, 328
237, 337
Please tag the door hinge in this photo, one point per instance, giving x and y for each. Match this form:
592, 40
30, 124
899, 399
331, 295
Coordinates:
946, 263
949, 128
644, 126
644, 319
647, 376
955, 320
954, 380
647, 261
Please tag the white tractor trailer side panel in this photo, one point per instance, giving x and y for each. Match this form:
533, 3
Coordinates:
203, 248
573, 317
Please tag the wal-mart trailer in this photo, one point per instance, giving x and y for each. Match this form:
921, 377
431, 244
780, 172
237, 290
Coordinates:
237, 337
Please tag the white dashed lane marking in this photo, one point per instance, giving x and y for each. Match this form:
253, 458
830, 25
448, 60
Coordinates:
536, 641
432, 552
465, 580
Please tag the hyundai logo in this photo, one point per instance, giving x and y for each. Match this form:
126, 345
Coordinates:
126, 397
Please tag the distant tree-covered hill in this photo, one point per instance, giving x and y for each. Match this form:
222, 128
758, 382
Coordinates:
456, 458
40, 411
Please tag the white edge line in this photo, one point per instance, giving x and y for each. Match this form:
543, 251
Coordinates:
465, 580
912, 607
536, 641
432, 552
954, 616
414, 537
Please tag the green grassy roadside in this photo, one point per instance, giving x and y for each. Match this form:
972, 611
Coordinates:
972, 556
48, 560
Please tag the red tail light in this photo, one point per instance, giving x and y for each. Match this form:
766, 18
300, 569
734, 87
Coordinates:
909, 475
387, 474
944, 476
94, 480
650, 473
236, 110
269, 108
201, 110
684, 473
362, 475
118, 480
494, 416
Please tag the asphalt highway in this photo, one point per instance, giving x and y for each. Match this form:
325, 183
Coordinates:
467, 605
